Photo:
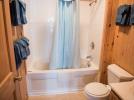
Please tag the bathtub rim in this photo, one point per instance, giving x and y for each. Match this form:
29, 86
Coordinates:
93, 67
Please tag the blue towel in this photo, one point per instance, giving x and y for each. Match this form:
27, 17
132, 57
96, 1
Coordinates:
132, 15
18, 12
17, 55
26, 42
24, 48
123, 15
21, 48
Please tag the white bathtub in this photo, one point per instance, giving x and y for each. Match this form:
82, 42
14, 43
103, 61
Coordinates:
41, 82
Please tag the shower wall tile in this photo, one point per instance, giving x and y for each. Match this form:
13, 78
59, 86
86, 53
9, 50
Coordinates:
92, 20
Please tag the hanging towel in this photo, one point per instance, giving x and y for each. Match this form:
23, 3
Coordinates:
132, 15
25, 42
24, 48
18, 12
21, 48
17, 55
123, 15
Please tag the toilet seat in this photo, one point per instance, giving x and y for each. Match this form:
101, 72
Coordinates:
97, 89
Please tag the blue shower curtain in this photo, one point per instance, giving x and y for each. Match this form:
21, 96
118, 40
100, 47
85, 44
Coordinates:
65, 50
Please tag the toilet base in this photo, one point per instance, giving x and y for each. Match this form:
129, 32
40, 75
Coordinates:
89, 97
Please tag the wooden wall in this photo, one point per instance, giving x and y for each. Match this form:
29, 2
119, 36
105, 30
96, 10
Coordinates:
22, 71
118, 42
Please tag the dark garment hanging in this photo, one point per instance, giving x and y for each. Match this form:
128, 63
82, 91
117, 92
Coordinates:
17, 55
26, 41
24, 47
123, 15
132, 15
21, 48
23, 53
18, 12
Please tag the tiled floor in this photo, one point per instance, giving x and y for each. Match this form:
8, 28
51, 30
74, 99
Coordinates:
68, 96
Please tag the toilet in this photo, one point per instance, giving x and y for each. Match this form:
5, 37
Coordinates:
99, 91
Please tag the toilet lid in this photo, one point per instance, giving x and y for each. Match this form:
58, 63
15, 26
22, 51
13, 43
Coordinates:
97, 89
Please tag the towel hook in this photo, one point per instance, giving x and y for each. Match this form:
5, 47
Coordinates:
92, 1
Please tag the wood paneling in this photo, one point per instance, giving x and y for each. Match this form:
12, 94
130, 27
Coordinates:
7, 85
22, 84
4, 59
118, 42
123, 50
9, 35
10, 89
107, 41
17, 34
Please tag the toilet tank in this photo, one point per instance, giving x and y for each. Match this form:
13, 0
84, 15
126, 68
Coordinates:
117, 74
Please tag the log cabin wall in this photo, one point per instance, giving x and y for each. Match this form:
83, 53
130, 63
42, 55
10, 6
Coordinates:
118, 41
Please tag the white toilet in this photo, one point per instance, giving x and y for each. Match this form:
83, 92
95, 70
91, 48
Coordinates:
99, 91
